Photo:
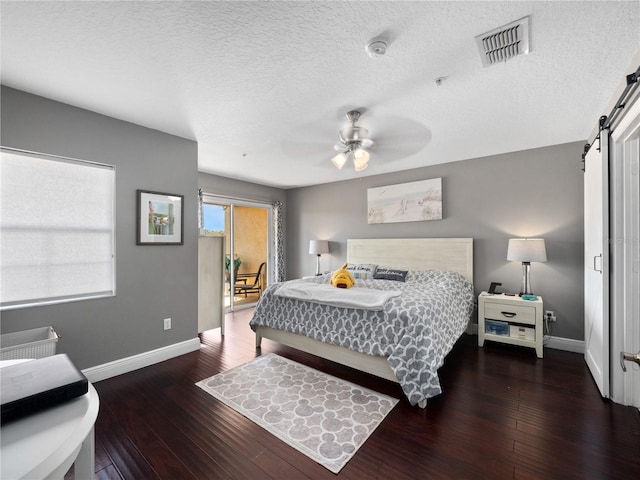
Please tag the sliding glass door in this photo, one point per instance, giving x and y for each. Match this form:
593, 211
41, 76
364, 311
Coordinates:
246, 228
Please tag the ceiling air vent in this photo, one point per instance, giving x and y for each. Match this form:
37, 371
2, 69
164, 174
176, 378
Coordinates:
503, 43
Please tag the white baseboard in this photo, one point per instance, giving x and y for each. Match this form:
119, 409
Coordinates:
129, 364
566, 344
557, 343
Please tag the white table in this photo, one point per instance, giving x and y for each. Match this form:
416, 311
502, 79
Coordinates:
47, 443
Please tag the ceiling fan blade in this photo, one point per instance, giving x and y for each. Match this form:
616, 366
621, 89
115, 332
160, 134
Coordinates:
314, 138
305, 149
399, 138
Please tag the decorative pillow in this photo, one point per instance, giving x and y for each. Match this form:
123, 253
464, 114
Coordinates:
391, 274
362, 271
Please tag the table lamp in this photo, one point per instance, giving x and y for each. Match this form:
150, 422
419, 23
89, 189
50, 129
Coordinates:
318, 247
526, 250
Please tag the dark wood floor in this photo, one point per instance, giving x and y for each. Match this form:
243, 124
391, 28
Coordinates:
503, 414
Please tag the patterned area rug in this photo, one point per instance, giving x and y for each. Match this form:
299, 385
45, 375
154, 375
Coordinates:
323, 417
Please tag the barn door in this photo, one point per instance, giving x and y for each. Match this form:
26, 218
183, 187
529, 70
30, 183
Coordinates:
625, 261
596, 262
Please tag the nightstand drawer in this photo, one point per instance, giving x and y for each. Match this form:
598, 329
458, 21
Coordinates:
510, 313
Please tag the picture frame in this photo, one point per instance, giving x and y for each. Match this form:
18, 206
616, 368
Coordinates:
160, 219
405, 202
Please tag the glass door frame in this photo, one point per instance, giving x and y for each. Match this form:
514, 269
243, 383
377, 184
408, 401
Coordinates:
231, 202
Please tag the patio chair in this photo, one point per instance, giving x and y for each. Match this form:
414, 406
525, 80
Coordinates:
249, 282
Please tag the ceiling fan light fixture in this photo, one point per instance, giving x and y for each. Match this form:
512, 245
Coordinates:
361, 154
361, 164
360, 159
339, 160
354, 140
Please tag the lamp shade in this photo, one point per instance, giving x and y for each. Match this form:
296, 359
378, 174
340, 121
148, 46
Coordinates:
360, 159
526, 250
361, 154
318, 247
339, 160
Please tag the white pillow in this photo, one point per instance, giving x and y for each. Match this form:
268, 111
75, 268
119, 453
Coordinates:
362, 271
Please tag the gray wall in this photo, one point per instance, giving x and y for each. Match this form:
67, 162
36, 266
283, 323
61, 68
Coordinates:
533, 193
530, 193
152, 282
224, 186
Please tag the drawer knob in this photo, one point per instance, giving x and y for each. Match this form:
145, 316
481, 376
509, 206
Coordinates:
508, 314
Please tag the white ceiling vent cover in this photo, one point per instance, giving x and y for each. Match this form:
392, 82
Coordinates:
503, 43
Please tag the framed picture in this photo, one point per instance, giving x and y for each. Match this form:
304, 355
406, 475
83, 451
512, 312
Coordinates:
160, 218
405, 202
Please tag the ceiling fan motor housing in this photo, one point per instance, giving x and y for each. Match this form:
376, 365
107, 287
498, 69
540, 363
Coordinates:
353, 136
353, 140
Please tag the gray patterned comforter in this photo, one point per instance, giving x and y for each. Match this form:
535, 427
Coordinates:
415, 330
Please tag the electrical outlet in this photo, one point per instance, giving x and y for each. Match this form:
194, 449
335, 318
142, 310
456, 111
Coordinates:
167, 324
549, 315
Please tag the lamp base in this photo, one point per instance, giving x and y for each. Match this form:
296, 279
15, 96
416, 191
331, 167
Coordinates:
318, 267
525, 289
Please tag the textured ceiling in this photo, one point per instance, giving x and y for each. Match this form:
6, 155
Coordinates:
263, 87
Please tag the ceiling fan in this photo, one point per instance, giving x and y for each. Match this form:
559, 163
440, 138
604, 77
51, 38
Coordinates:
353, 144
393, 138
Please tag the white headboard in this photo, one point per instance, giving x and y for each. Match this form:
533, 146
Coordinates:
451, 254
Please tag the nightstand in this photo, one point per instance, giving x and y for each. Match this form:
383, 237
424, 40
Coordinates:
510, 319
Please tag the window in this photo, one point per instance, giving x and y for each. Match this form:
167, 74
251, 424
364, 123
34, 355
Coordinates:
57, 229
213, 219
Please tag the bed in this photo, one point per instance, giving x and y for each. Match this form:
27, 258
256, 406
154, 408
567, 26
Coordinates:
407, 339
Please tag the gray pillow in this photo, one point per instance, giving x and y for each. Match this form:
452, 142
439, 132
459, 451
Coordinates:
391, 274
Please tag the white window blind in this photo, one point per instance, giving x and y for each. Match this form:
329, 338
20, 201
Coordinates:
57, 229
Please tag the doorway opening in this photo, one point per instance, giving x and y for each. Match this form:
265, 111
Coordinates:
245, 226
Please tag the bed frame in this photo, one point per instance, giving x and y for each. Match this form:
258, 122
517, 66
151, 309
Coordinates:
451, 254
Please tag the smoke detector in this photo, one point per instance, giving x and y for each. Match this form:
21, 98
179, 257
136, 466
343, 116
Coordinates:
503, 43
376, 48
